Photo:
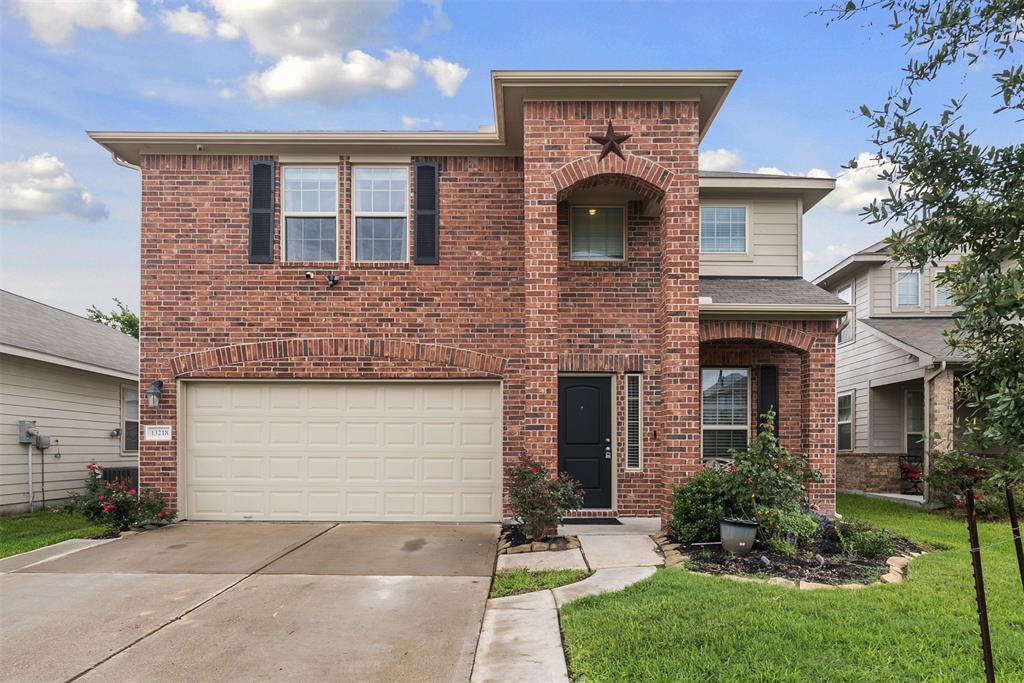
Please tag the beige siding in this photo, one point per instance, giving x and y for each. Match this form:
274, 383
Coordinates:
882, 292
77, 409
774, 239
869, 358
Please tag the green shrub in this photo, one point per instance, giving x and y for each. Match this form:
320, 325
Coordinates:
788, 530
699, 505
118, 505
861, 540
540, 501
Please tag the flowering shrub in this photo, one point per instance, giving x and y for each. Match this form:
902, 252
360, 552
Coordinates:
539, 500
118, 505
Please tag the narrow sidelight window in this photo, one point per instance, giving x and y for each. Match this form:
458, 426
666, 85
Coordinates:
725, 411
597, 233
844, 422
310, 213
634, 421
908, 288
914, 421
381, 213
846, 294
130, 419
723, 229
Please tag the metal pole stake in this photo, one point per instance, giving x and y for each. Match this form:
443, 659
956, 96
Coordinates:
979, 589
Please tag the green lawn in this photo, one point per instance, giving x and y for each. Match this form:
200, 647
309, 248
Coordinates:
677, 626
21, 533
516, 581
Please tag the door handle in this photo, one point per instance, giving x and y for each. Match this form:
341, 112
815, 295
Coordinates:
608, 452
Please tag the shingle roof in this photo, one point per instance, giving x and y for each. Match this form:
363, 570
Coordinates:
795, 291
33, 326
924, 334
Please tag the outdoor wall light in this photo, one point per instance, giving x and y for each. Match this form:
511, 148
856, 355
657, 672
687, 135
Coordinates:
153, 392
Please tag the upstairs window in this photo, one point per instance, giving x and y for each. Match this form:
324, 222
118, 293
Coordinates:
723, 229
908, 288
381, 213
310, 208
597, 233
846, 294
943, 297
725, 412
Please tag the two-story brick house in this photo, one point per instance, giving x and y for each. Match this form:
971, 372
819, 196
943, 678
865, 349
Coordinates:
895, 373
376, 326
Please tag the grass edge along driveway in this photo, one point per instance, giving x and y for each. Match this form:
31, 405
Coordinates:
678, 626
21, 533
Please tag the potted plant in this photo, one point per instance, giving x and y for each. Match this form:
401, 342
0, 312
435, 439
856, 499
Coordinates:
738, 534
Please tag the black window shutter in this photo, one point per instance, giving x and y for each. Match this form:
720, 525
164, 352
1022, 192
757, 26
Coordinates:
426, 250
768, 393
261, 212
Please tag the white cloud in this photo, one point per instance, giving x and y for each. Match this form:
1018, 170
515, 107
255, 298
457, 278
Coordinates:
307, 28
54, 23
187, 21
331, 78
42, 186
421, 123
438, 21
771, 170
447, 75
817, 262
719, 160
226, 93
228, 31
857, 187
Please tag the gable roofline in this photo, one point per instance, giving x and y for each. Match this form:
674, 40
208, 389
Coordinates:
843, 269
510, 90
811, 190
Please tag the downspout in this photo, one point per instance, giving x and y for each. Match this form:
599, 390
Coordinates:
30, 489
928, 377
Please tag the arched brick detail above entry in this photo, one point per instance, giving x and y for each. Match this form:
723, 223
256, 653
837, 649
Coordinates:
745, 330
320, 347
636, 173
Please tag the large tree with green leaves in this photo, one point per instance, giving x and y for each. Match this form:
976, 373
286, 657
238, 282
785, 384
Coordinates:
950, 194
121, 318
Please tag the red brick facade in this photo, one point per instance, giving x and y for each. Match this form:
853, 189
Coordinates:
504, 302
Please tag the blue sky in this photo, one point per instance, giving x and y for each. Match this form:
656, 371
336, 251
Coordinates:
69, 233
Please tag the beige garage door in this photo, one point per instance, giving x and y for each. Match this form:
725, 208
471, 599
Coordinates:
357, 451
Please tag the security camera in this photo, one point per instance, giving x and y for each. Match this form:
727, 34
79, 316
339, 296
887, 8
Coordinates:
309, 274
199, 148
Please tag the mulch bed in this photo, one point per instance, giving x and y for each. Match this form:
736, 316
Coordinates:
513, 540
836, 569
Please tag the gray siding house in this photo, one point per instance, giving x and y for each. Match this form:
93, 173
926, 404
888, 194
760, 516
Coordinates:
78, 380
895, 373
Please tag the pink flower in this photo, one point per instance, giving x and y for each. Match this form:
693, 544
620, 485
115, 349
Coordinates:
103, 497
108, 507
131, 492
160, 515
533, 470
750, 482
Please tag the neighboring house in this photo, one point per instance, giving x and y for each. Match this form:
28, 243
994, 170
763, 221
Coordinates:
894, 370
79, 381
376, 326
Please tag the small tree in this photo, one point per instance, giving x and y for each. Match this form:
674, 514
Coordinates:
121, 318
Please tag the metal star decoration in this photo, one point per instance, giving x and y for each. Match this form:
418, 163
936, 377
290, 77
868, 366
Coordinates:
610, 142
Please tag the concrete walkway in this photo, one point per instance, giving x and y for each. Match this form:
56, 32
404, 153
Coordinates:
521, 640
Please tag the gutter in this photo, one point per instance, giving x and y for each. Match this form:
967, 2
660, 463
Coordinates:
121, 162
788, 310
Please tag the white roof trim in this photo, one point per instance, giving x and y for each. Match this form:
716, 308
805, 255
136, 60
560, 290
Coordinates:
849, 261
66, 362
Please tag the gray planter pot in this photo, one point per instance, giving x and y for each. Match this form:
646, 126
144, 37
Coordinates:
738, 535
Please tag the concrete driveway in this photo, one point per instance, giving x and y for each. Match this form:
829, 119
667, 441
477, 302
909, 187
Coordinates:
253, 601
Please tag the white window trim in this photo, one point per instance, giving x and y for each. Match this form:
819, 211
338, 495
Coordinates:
933, 281
310, 214
746, 413
851, 421
640, 422
129, 388
852, 324
382, 214
896, 272
625, 222
747, 255
906, 416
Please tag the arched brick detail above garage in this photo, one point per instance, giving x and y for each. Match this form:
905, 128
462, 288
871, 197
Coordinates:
239, 354
745, 330
635, 173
